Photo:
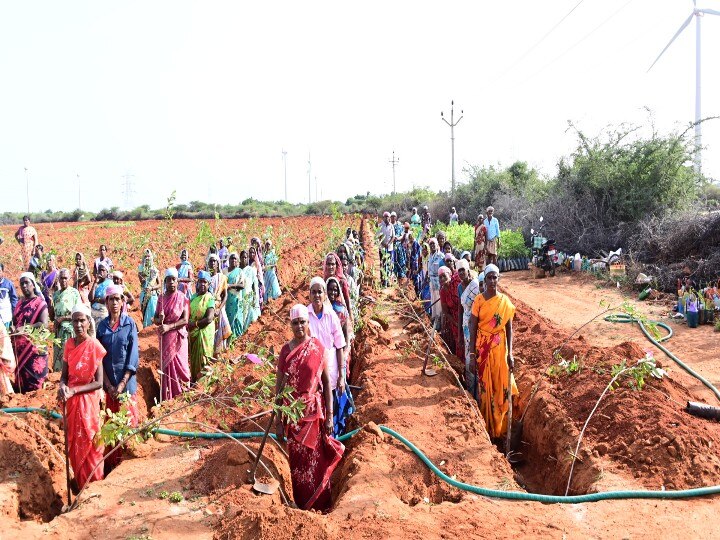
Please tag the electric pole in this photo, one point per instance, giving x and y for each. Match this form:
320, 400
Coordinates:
452, 125
27, 189
284, 155
394, 162
309, 181
78, 179
128, 189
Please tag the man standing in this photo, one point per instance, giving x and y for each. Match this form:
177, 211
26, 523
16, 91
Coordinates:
453, 218
27, 237
8, 298
387, 241
492, 240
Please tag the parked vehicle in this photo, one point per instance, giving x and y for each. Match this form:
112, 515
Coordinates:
544, 254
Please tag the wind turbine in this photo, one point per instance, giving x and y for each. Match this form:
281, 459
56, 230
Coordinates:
698, 14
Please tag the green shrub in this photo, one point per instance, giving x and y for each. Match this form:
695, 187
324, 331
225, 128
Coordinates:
461, 236
512, 245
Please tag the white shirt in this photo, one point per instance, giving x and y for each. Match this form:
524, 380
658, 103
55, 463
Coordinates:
328, 331
388, 231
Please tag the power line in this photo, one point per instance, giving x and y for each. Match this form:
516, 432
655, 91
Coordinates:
535, 46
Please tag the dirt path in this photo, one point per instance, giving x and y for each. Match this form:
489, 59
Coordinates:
570, 300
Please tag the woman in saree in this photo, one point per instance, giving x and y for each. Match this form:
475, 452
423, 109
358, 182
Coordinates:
332, 267
450, 304
49, 279
354, 288
239, 301
31, 311
7, 361
414, 259
313, 453
185, 274
435, 261
97, 294
251, 293
27, 237
423, 279
272, 285
492, 353
118, 278
150, 282
201, 327
63, 303
118, 334
80, 384
82, 278
480, 236
102, 258
468, 289
218, 287
172, 315
255, 262
332, 286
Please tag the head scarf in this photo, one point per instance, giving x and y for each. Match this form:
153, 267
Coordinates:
393, 214
317, 280
117, 274
462, 263
148, 260
338, 266
492, 268
187, 255
171, 272
465, 253
102, 264
31, 277
298, 311
204, 274
269, 243
259, 249
444, 270
212, 257
449, 257
386, 214
113, 290
481, 277
81, 308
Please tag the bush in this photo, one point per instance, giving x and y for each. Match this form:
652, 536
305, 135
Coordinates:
461, 236
512, 245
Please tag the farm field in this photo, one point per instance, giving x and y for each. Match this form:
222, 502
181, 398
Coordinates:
637, 440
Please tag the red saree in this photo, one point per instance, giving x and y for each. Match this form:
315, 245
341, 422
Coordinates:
313, 454
83, 410
450, 299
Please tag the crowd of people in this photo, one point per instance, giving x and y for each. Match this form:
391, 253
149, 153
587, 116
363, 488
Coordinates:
458, 290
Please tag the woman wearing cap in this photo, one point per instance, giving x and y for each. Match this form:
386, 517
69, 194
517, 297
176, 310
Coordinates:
468, 289
118, 334
172, 314
201, 327
64, 301
314, 454
97, 293
450, 304
118, 278
325, 326
218, 286
185, 274
435, 261
272, 285
31, 311
80, 383
491, 337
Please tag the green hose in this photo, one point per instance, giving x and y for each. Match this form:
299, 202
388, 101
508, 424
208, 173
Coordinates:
486, 492
625, 318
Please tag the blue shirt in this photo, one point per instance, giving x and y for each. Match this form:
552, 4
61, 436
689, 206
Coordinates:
493, 228
122, 351
8, 300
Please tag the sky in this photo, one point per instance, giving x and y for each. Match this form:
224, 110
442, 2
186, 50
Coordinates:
201, 98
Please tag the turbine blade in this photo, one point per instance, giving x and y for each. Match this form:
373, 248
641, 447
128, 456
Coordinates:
682, 27
709, 11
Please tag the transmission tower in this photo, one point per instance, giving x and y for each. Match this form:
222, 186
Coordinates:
129, 191
394, 162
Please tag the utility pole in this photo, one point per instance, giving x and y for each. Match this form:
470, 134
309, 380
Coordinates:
309, 182
284, 155
394, 162
128, 189
452, 125
78, 178
27, 189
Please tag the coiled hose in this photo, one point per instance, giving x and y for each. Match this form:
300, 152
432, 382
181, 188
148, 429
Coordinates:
486, 492
625, 318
